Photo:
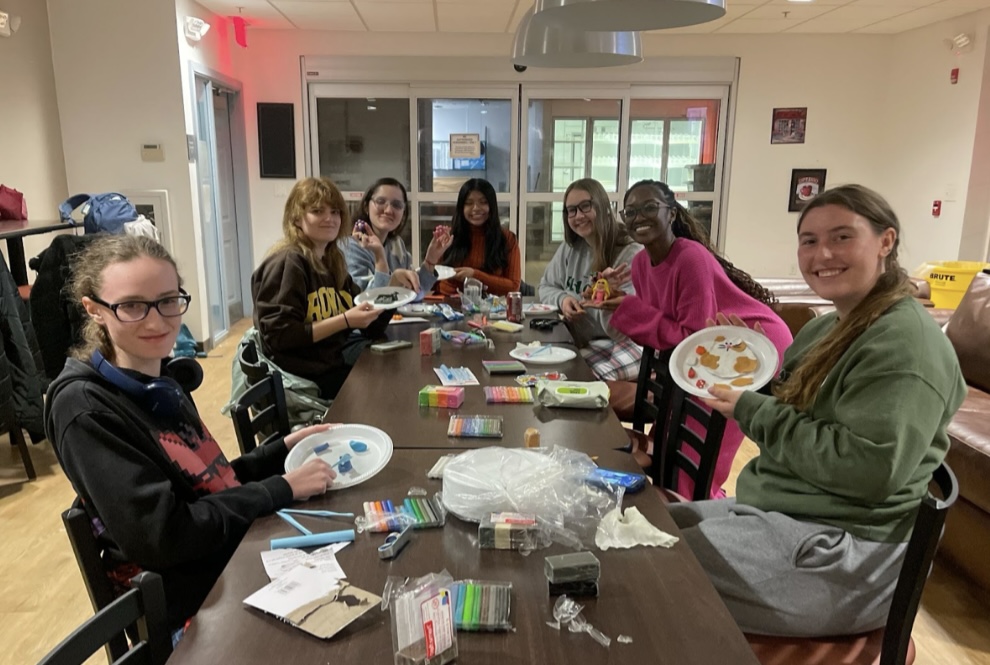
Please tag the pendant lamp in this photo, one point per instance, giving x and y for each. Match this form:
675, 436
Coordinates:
630, 14
542, 43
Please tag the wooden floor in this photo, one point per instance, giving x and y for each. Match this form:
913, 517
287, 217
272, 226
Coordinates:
43, 598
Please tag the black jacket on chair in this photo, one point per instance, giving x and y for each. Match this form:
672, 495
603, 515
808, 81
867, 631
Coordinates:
21, 379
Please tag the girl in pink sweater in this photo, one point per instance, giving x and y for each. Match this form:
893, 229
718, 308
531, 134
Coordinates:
681, 283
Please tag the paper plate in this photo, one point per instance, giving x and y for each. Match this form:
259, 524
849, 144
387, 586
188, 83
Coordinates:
538, 308
396, 296
364, 464
552, 356
729, 356
444, 272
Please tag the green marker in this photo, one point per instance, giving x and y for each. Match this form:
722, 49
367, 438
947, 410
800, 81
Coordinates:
476, 608
470, 604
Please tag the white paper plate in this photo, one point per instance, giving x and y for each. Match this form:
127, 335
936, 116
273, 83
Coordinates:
553, 356
696, 378
404, 297
444, 272
365, 465
538, 308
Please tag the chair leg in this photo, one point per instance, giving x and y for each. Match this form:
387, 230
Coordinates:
17, 439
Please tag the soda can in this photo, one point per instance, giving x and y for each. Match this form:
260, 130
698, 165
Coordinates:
513, 307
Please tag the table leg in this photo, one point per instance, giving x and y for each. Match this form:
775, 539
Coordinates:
18, 266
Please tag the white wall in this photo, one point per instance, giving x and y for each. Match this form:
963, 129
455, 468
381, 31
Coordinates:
30, 142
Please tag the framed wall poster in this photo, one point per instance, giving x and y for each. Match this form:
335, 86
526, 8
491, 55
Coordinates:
805, 185
153, 204
788, 125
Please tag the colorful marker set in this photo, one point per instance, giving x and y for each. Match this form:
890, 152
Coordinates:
482, 605
486, 427
420, 512
508, 395
441, 397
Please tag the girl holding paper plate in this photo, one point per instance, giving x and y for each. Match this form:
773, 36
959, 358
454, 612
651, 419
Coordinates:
376, 253
479, 247
160, 493
593, 241
813, 542
680, 283
304, 305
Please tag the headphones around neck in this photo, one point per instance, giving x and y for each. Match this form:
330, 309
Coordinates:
162, 396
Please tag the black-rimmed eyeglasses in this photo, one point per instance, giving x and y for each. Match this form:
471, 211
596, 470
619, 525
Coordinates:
133, 311
584, 206
647, 210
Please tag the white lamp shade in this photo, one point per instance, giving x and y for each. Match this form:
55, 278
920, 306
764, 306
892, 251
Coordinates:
630, 14
543, 43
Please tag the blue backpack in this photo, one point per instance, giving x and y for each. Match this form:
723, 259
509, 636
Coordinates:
101, 213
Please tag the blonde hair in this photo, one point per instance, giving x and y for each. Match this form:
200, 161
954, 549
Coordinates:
801, 387
87, 281
611, 235
306, 195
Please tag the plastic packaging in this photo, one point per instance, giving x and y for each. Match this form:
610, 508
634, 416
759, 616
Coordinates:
573, 394
568, 613
423, 631
549, 483
573, 567
416, 511
508, 531
481, 605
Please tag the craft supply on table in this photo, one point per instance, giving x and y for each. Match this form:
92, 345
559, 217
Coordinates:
417, 512
441, 397
508, 395
514, 307
533, 379
456, 376
503, 366
422, 614
507, 326
310, 539
475, 426
437, 471
531, 437
572, 567
573, 394
541, 354
568, 613
585, 588
395, 542
482, 605
508, 531
429, 342
461, 338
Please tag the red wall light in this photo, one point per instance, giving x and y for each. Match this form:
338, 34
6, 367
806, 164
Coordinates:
240, 30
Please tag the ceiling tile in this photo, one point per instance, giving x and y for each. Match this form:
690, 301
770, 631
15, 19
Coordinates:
469, 17
320, 15
904, 4
847, 19
753, 26
732, 12
795, 11
916, 18
258, 13
816, 3
397, 17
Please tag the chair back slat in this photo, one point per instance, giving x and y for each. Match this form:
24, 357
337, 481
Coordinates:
652, 391
670, 457
261, 413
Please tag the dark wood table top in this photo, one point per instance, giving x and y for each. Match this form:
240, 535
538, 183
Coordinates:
20, 229
659, 597
382, 391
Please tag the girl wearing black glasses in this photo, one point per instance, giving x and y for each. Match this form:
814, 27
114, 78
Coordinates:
160, 493
593, 241
681, 282
376, 253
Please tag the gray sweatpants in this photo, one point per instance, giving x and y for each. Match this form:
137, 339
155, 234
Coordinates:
780, 576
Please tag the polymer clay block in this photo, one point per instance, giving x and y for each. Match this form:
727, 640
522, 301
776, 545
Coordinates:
507, 531
586, 588
572, 567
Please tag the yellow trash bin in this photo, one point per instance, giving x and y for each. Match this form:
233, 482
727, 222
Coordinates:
950, 280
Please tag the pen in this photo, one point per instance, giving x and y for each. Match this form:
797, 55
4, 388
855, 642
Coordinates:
291, 520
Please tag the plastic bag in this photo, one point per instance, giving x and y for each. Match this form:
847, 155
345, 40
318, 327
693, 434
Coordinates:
573, 394
423, 631
549, 483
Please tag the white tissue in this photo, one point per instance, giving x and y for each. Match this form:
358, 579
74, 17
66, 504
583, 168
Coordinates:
623, 531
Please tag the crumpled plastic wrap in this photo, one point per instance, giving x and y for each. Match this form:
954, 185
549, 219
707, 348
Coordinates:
549, 483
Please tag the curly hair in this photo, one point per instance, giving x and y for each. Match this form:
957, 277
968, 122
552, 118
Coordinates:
893, 285
306, 195
686, 226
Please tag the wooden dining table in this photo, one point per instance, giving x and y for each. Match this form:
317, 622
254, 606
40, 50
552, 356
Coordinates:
14, 232
661, 598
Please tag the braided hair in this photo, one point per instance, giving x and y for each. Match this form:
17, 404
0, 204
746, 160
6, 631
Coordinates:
686, 226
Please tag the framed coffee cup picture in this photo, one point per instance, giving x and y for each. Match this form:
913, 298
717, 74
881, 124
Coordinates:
805, 185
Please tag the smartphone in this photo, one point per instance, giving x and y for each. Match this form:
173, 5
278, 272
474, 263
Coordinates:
385, 347
632, 482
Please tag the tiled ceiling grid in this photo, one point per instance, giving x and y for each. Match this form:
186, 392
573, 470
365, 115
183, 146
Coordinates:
502, 16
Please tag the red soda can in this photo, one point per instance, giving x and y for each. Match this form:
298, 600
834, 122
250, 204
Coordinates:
513, 307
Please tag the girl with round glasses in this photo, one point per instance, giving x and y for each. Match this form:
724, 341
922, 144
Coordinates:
375, 251
480, 248
159, 491
680, 283
593, 242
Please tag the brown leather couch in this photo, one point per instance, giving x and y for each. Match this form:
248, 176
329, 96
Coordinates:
966, 542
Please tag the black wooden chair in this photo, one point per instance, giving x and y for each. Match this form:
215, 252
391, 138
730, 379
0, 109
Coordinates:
10, 422
261, 413
144, 607
671, 456
87, 551
652, 402
892, 644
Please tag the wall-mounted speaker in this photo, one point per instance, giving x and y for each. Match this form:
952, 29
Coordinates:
276, 140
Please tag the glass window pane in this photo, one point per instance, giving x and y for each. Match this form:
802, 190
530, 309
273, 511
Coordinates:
544, 233
701, 211
490, 119
674, 140
432, 215
571, 139
362, 140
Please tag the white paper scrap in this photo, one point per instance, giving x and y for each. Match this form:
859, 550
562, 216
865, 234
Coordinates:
299, 586
279, 562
